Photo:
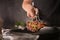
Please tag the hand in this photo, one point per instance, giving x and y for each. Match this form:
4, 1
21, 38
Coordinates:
31, 11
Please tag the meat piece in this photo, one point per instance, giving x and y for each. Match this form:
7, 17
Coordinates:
34, 25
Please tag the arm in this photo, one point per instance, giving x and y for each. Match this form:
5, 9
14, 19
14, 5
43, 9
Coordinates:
30, 9
27, 6
27, 1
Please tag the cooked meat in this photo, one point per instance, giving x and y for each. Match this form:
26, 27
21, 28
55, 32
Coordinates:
34, 25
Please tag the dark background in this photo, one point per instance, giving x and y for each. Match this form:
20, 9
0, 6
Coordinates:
11, 11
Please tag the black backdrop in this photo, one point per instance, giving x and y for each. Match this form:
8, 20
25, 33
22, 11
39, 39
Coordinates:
11, 11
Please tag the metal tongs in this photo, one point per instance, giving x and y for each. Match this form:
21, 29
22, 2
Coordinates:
37, 18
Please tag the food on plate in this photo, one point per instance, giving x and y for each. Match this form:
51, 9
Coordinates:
34, 25
20, 25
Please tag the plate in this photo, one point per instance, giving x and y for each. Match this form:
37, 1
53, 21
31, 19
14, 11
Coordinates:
25, 31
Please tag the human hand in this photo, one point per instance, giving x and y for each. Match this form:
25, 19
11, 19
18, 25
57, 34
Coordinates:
32, 13
30, 9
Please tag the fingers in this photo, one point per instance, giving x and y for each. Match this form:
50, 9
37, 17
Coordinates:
32, 13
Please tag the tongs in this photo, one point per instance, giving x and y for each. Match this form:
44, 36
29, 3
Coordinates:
36, 18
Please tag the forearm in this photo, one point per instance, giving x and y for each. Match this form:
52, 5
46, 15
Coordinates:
27, 1
26, 5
